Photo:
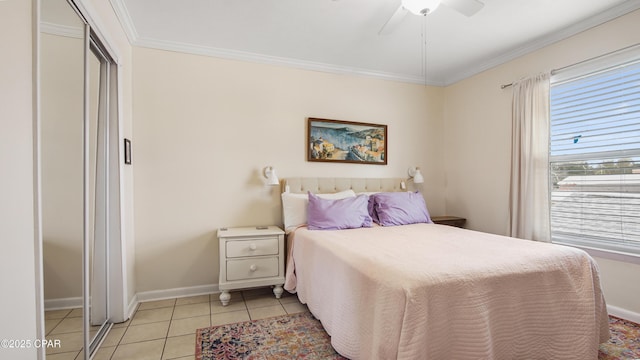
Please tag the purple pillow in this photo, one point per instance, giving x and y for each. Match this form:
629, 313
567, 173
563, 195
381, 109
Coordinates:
329, 214
400, 208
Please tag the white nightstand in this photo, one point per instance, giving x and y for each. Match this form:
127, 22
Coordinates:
251, 257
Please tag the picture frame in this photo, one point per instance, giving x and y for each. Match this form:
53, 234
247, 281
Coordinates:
342, 141
127, 151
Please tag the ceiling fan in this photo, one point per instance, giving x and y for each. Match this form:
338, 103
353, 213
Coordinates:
424, 7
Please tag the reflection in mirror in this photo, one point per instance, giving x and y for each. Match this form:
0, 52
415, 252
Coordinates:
61, 144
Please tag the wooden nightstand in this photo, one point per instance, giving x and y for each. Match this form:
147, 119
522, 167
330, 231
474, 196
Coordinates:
449, 220
251, 257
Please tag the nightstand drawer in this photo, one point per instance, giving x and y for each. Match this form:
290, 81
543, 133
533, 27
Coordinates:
252, 247
252, 268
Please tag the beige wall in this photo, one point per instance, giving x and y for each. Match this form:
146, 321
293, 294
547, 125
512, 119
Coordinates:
477, 131
204, 129
18, 258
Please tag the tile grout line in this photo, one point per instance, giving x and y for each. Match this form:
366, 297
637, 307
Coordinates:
164, 346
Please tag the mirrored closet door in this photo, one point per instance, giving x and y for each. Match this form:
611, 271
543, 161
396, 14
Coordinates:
79, 171
61, 53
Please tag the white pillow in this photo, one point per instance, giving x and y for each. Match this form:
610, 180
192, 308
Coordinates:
294, 206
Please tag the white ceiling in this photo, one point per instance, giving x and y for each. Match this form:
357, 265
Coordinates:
342, 35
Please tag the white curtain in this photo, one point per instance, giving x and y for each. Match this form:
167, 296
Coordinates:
529, 192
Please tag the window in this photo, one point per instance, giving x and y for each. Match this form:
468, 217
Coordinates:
595, 155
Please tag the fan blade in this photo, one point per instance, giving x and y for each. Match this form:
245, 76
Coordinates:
466, 7
393, 21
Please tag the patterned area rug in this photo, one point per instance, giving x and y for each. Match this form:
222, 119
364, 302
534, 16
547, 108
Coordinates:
297, 336
624, 341
301, 336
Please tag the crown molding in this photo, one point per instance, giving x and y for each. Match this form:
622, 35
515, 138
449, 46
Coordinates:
277, 61
125, 20
62, 30
460, 74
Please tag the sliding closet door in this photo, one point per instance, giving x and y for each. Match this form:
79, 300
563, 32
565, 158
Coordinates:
98, 200
102, 204
61, 58
80, 172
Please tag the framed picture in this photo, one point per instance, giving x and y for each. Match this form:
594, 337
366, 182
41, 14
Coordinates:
346, 142
127, 151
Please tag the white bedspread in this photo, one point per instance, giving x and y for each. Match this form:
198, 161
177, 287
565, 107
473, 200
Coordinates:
429, 291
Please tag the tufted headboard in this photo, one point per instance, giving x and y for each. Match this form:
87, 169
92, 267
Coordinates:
331, 185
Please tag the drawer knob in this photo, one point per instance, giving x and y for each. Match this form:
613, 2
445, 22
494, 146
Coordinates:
253, 267
253, 247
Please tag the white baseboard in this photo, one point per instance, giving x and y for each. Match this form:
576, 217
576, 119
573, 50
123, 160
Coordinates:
64, 303
169, 294
133, 305
177, 292
76, 302
624, 313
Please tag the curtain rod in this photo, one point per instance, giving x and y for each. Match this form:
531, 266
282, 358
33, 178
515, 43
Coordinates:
554, 71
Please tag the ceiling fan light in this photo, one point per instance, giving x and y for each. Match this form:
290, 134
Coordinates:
421, 7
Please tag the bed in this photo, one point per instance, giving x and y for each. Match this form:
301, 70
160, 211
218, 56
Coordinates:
428, 291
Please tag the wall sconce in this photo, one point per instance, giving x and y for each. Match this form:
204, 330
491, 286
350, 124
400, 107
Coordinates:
270, 174
414, 172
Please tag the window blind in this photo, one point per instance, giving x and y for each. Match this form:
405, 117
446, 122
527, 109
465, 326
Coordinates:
595, 158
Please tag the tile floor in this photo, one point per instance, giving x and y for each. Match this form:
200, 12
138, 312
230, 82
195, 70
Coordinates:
165, 329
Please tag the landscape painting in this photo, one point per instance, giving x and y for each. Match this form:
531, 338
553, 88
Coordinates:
346, 141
